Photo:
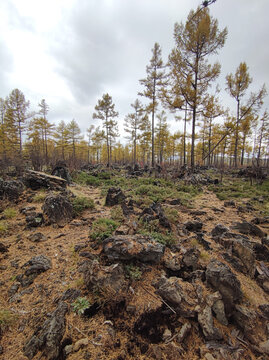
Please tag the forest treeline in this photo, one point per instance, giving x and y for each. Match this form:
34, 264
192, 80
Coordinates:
184, 86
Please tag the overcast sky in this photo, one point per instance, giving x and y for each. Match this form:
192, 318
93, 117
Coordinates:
71, 52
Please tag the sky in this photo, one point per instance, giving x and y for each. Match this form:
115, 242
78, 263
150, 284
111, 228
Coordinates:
71, 52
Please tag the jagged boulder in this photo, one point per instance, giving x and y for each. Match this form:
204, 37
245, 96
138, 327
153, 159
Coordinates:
10, 190
48, 338
221, 278
248, 229
195, 226
60, 170
243, 251
34, 219
58, 209
179, 294
35, 266
205, 319
114, 196
133, 247
218, 230
3, 248
36, 180
108, 279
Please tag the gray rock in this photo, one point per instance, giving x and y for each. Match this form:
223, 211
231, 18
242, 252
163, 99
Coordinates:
191, 258
10, 190
184, 332
205, 320
261, 251
246, 255
246, 319
195, 226
248, 229
58, 209
104, 278
3, 248
48, 338
130, 247
34, 219
219, 230
37, 237
218, 309
220, 277
181, 295
114, 196
37, 265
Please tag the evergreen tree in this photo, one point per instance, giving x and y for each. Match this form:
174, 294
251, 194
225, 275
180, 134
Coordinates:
105, 111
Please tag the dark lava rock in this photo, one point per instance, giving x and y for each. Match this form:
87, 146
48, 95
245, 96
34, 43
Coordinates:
181, 295
36, 180
261, 252
58, 209
220, 277
248, 229
104, 278
243, 251
70, 295
219, 230
3, 248
35, 266
10, 190
195, 226
61, 171
130, 247
114, 196
48, 338
246, 319
265, 310
34, 219
229, 203
191, 258
37, 237
205, 319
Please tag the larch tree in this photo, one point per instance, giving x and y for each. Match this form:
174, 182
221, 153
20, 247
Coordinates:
162, 134
17, 114
105, 111
153, 83
98, 138
132, 125
190, 72
237, 86
46, 127
74, 137
263, 134
61, 136
90, 132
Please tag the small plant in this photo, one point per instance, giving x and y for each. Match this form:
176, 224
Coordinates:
9, 213
3, 227
7, 318
171, 214
92, 181
102, 229
81, 203
40, 196
80, 305
133, 272
117, 214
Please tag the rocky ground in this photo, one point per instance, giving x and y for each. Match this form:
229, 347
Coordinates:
170, 279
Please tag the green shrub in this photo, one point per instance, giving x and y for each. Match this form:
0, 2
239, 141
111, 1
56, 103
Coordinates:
117, 214
9, 213
81, 203
164, 239
133, 272
102, 229
171, 214
40, 196
3, 227
7, 318
80, 305
92, 181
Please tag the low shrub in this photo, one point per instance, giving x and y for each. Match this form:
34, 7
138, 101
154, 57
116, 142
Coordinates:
9, 213
3, 227
80, 305
81, 203
102, 229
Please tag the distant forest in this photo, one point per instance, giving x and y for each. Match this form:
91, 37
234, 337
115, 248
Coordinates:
184, 86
